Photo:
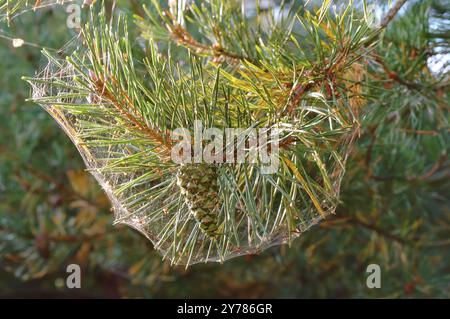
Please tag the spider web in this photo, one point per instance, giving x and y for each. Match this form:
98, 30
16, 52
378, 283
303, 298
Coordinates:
10, 10
165, 214
255, 214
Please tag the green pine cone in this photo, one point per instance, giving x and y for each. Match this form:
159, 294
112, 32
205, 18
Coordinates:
198, 184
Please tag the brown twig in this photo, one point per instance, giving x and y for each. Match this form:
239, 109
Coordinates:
100, 87
184, 38
420, 132
435, 168
67, 193
355, 221
441, 163
392, 13
75, 238
380, 231
36, 5
298, 92
392, 75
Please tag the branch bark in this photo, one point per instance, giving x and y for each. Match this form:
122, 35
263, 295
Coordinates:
392, 13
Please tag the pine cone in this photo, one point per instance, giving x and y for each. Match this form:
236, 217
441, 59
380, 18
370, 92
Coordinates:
198, 184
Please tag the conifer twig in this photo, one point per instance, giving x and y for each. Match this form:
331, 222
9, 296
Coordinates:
154, 135
392, 13
394, 76
184, 38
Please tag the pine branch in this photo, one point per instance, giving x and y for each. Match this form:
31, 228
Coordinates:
184, 38
120, 109
358, 222
123, 107
395, 76
298, 94
391, 13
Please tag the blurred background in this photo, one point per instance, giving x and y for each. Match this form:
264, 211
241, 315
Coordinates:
395, 208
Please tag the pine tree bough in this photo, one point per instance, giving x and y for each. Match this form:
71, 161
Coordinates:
120, 110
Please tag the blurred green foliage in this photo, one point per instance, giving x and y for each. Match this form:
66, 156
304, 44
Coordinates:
395, 210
